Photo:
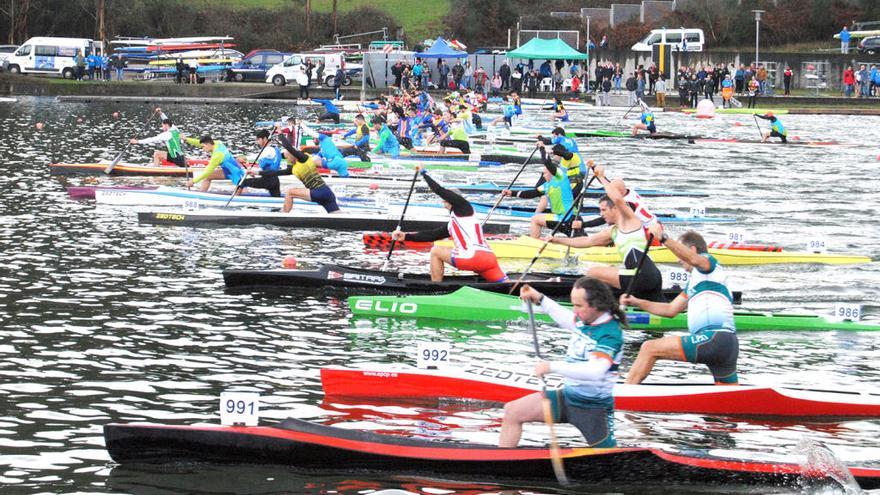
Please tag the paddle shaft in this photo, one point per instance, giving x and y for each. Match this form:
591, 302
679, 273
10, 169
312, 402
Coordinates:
544, 246
501, 197
624, 115
632, 281
402, 215
555, 453
758, 125
127, 146
244, 172
580, 208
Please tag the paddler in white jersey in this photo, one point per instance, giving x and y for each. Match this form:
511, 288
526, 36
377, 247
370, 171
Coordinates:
709, 303
632, 198
170, 135
471, 252
627, 233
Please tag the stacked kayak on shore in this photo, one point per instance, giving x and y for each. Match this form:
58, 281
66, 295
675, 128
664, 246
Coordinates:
470, 304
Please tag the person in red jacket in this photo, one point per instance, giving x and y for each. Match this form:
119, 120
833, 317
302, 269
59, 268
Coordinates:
849, 81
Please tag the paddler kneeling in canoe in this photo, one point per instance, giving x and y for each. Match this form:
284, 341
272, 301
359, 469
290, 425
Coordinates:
304, 167
221, 157
646, 120
627, 233
712, 339
590, 368
471, 252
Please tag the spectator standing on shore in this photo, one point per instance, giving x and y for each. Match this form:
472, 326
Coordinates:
320, 72
631, 87
761, 76
119, 65
753, 91
682, 90
467, 81
844, 40
694, 90
575, 86
516, 80
652, 78
338, 79
660, 90
863, 79
849, 81
397, 72
417, 74
443, 70
605, 97
726, 91
875, 80
709, 88
640, 87
533, 84
618, 76
786, 80
504, 72
496, 84
480, 78
426, 76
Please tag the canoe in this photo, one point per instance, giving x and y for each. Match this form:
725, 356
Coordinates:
743, 111
493, 383
470, 304
525, 248
346, 278
524, 213
582, 133
356, 221
791, 142
306, 445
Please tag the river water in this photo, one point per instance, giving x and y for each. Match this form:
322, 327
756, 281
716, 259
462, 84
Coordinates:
104, 320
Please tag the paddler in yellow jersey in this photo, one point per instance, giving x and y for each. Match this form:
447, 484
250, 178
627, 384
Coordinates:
304, 167
221, 157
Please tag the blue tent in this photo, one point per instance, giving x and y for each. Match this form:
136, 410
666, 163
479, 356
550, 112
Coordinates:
441, 49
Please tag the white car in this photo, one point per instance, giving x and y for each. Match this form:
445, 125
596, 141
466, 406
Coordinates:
5, 52
289, 70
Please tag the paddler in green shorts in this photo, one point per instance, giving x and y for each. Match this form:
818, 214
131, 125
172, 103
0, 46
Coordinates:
709, 304
170, 135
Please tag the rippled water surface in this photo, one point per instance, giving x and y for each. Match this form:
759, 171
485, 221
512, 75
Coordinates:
104, 320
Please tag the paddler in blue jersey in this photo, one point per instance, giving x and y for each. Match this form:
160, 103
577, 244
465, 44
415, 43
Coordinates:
269, 159
517, 102
170, 135
627, 234
330, 110
589, 370
507, 114
405, 126
557, 188
559, 111
646, 120
388, 144
712, 338
776, 128
361, 133
559, 137
221, 157
329, 153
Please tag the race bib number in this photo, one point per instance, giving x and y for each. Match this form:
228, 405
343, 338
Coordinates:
522, 147
847, 311
475, 157
698, 211
239, 408
472, 180
377, 168
341, 191
437, 177
432, 355
677, 277
817, 245
736, 237
381, 201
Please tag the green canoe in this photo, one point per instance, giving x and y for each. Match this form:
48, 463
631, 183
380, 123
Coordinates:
477, 305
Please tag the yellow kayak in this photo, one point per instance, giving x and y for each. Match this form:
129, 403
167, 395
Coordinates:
525, 248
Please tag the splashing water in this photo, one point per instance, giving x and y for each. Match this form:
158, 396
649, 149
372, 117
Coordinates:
822, 461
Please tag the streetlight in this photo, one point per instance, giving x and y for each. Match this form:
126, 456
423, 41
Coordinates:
757, 32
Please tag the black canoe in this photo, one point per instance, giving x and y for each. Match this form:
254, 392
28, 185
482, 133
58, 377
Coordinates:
306, 445
347, 278
342, 221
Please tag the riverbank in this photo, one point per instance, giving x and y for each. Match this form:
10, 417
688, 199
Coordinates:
260, 93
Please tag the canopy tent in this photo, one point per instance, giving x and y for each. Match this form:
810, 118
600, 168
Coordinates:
441, 49
554, 49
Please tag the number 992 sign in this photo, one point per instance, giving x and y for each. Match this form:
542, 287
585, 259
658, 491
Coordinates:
239, 408
432, 355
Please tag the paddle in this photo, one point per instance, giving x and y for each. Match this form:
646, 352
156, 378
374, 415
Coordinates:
501, 197
760, 132
555, 454
632, 281
543, 247
624, 115
244, 172
580, 208
402, 214
119, 156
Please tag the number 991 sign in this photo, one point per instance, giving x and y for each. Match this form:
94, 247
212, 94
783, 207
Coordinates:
432, 355
239, 408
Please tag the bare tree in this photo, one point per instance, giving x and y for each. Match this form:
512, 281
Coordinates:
335, 12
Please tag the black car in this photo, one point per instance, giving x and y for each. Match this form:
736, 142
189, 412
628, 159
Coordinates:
870, 45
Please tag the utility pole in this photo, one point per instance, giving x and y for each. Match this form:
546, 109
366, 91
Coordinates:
11, 22
308, 19
101, 33
757, 32
334, 17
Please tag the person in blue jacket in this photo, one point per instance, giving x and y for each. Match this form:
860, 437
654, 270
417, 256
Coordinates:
388, 144
333, 159
331, 112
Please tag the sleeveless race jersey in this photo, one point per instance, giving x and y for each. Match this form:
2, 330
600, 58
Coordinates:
710, 304
467, 235
638, 206
174, 147
307, 173
630, 245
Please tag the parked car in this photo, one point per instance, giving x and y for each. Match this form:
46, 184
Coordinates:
49, 55
6, 51
870, 45
254, 65
288, 70
694, 40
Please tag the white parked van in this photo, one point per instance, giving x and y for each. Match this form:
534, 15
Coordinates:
693, 40
290, 69
47, 55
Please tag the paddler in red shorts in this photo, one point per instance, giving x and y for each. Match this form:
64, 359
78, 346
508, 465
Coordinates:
471, 252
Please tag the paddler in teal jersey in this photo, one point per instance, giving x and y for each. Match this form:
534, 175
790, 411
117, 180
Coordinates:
221, 157
170, 135
590, 368
557, 188
776, 128
388, 144
709, 304
628, 236
646, 120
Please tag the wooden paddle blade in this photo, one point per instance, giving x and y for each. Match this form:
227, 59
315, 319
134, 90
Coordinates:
555, 451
